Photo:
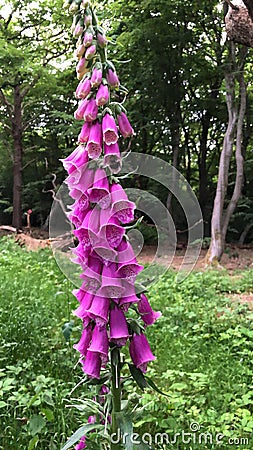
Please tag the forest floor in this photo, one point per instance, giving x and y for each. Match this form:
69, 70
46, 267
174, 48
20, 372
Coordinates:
235, 257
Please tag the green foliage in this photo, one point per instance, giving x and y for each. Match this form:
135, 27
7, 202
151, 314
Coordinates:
203, 344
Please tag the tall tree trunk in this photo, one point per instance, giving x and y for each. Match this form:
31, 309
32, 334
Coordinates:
220, 219
17, 131
175, 139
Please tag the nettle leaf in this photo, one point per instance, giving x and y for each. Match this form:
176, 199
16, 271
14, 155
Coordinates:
36, 424
126, 427
81, 432
138, 376
67, 330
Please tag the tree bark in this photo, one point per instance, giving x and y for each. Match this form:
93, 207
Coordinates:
17, 131
220, 219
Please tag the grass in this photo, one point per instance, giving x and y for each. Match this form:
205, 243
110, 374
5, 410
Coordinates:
203, 344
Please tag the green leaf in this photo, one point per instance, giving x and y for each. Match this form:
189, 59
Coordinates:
125, 424
2, 404
67, 330
138, 376
152, 384
48, 414
36, 424
81, 432
33, 442
48, 399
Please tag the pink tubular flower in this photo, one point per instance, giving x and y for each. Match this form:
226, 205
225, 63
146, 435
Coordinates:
122, 208
147, 314
102, 96
102, 41
85, 303
79, 113
80, 180
100, 342
99, 310
112, 79
76, 159
124, 125
104, 252
87, 232
99, 193
88, 38
111, 285
79, 210
92, 364
92, 280
90, 52
81, 444
129, 296
91, 111
127, 264
81, 255
118, 327
140, 351
83, 88
112, 157
96, 77
85, 340
111, 229
84, 134
94, 146
110, 131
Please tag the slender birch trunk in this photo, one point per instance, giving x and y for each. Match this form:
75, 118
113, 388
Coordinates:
236, 114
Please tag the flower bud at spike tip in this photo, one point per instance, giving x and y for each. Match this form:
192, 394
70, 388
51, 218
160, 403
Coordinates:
88, 20
96, 77
102, 96
81, 65
78, 30
80, 51
88, 38
85, 3
124, 125
102, 41
90, 52
112, 79
73, 7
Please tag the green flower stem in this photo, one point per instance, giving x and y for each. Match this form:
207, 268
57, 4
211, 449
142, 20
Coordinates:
116, 394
